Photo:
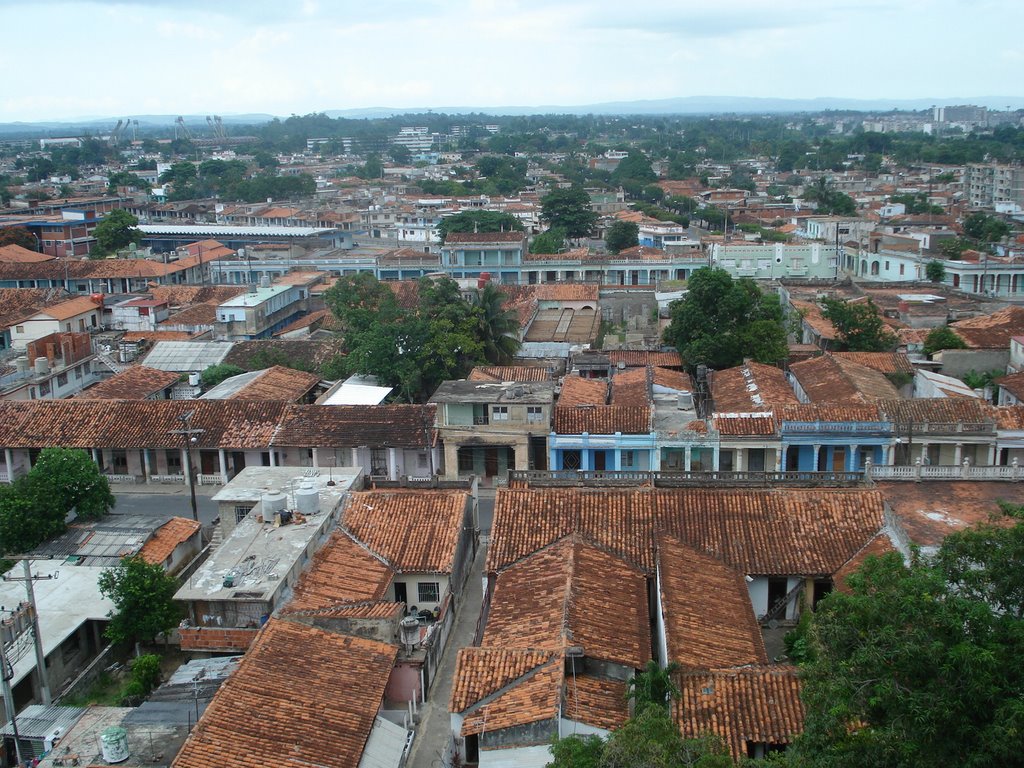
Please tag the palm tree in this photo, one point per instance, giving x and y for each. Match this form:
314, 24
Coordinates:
654, 685
498, 327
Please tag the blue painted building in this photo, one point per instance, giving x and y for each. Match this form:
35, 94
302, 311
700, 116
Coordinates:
602, 437
832, 437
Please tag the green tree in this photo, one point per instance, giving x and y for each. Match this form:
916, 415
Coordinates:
118, 229
70, 479
550, 241
935, 271
635, 166
720, 321
942, 338
498, 326
18, 236
830, 200
654, 685
569, 209
859, 325
372, 168
918, 664
360, 302
143, 598
215, 374
621, 235
985, 228
954, 247
26, 520
125, 179
478, 221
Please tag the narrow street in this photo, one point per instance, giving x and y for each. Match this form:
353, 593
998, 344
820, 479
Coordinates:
434, 729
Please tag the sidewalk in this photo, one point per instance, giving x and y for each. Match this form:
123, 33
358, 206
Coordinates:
434, 731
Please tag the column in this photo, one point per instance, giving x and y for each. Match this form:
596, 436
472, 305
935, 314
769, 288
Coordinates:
392, 464
617, 460
958, 453
992, 455
185, 466
715, 458
780, 458
9, 461
273, 457
688, 458
737, 463
96, 457
146, 468
817, 453
451, 461
522, 456
924, 453
886, 454
316, 458
223, 465
854, 451
355, 458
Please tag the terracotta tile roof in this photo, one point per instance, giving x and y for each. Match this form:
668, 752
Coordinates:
166, 539
379, 426
937, 410
602, 420
562, 596
135, 383
278, 383
1009, 417
342, 572
518, 373
313, 320
829, 412
991, 331
301, 695
751, 704
19, 303
566, 292
455, 238
483, 671
829, 379
71, 308
368, 609
414, 531
632, 387
760, 532
182, 295
750, 388
596, 701
579, 391
128, 424
634, 358
17, 255
670, 379
530, 700
928, 512
815, 320
642, 253
407, 292
1014, 384
745, 426
885, 362
204, 313
155, 336
709, 620
878, 546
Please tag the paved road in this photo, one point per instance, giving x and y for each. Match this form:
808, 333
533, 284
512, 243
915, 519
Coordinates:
157, 504
485, 511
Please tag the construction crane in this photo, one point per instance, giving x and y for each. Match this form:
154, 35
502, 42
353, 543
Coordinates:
217, 126
180, 123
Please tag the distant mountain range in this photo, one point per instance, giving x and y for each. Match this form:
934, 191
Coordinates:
689, 105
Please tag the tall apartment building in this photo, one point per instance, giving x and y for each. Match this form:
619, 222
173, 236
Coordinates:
989, 183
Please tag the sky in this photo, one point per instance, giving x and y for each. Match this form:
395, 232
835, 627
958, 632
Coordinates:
99, 58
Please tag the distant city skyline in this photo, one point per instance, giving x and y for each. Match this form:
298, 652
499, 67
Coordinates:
88, 58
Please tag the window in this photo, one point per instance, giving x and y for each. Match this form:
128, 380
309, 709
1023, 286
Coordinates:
628, 459
534, 414
78, 372
902, 268
571, 459
378, 461
886, 265
428, 592
19, 329
500, 413
242, 511
62, 379
421, 460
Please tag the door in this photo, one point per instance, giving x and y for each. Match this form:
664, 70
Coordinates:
401, 596
838, 459
599, 461
490, 462
755, 460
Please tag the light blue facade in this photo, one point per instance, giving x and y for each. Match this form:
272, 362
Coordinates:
832, 446
588, 452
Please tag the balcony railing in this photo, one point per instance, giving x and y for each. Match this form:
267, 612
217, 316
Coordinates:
684, 479
918, 472
833, 427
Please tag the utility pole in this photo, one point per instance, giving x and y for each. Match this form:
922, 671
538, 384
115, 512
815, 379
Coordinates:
28, 578
189, 436
6, 675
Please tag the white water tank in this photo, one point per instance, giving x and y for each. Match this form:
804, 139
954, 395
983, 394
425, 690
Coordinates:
42, 366
114, 744
409, 631
194, 379
307, 498
273, 503
21, 364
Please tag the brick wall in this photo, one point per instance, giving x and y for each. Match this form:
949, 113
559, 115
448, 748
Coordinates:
216, 639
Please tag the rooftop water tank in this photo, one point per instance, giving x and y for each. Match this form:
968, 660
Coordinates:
273, 503
114, 744
307, 498
42, 366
